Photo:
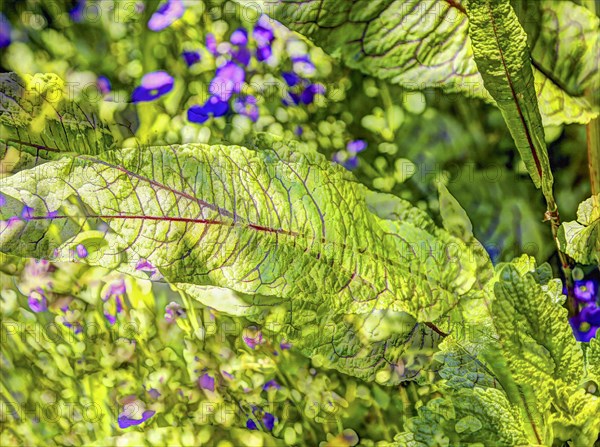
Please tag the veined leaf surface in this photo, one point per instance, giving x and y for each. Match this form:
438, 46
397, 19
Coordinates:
273, 222
420, 44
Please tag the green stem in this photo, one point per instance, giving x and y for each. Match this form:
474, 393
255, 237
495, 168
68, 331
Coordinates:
593, 132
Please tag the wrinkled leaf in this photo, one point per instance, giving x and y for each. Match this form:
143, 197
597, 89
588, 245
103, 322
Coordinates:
417, 44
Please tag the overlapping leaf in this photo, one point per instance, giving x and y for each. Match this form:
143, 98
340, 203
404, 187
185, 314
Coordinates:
581, 239
500, 50
422, 44
40, 116
276, 223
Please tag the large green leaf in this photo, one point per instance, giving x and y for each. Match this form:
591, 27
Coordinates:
542, 357
40, 116
276, 223
423, 44
500, 50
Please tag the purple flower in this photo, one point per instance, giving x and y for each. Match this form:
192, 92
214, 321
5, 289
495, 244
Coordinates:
582, 329
269, 421
206, 382
173, 311
228, 80
103, 84
303, 65
126, 421
115, 288
211, 43
349, 163
27, 213
241, 55
271, 384
52, 214
153, 85
145, 266
239, 37
246, 106
228, 375
591, 314
191, 57
263, 33
5, 29
76, 13
37, 300
81, 251
114, 307
2, 200
251, 425
252, 342
290, 78
308, 94
585, 290
356, 146
154, 393
263, 53
214, 106
283, 345
166, 15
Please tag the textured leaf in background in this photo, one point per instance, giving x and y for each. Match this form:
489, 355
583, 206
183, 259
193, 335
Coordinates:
389, 347
543, 358
500, 49
581, 239
39, 116
566, 46
417, 44
470, 416
282, 224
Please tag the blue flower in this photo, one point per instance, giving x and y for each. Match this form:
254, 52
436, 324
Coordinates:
214, 106
27, 213
153, 85
263, 35
284, 345
165, 15
191, 57
206, 382
228, 80
251, 425
5, 29
308, 94
253, 342
271, 384
291, 78
342, 158
356, 146
591, 314
103, 84
241, 55
211, 43
239, 37
173, 311
584, 329
81, 251
263, 53
269, 421
246, 106
145, 266
303, 65
585, 291
126, 421
76, 13
37, 300
113, 307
